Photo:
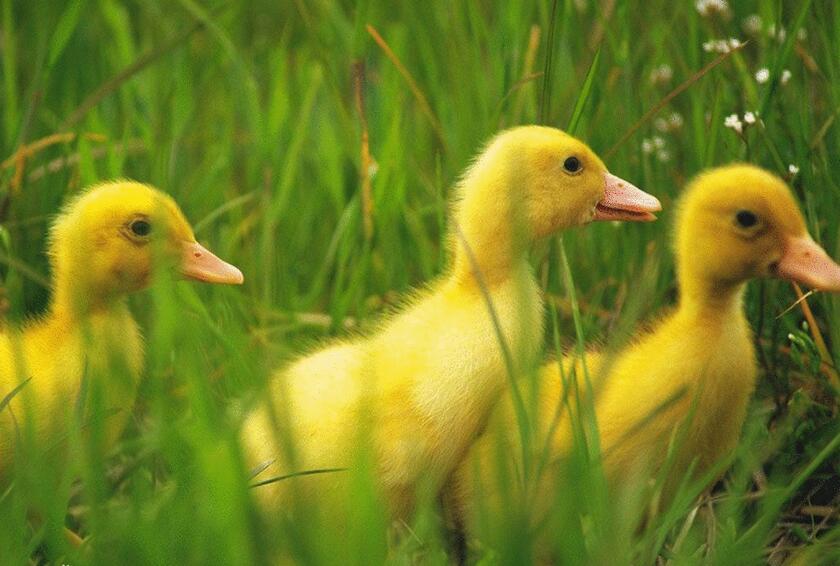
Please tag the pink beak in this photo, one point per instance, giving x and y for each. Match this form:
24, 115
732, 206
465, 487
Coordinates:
806, 262
200, 264
624, 201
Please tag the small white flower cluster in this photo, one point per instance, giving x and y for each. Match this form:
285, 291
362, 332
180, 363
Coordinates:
656, 145
734, 121
721, 45
708, 8
649, 145
785, 77
661, 74
793, 170
763, 75
671, 123
753, 25
780, 34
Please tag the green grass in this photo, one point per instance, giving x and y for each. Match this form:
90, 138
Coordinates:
247, 115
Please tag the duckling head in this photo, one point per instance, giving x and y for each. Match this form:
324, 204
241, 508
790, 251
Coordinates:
740, 222
107, 242
555, 179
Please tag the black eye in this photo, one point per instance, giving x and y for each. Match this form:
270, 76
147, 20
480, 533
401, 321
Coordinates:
140, 228
572, 164
746, 219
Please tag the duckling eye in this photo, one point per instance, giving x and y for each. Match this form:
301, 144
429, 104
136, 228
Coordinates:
140, 228
746, 219
572, 164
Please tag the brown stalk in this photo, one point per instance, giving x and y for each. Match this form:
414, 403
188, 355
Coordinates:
412, 84
364, 157
825, 356
607, 9
135, 145
528, 73
19, 157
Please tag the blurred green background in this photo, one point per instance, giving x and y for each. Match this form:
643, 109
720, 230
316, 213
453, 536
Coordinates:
253, 115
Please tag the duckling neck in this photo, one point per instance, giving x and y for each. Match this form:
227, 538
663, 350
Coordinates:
108, 323
482, 259
488, 241
105, 333
711, 300
74, 300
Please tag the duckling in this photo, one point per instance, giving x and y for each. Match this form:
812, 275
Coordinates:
101, 248
424, 383
691, 377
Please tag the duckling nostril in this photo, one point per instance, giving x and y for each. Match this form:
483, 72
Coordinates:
196, 254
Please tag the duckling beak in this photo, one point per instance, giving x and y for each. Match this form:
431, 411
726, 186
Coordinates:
200, 264
804, 261
624, 201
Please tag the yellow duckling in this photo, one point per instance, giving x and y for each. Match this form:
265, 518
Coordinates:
102, 247
425, 382
691, 377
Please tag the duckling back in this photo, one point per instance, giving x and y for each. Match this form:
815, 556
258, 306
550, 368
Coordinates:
316, 418
687, 383
419, 389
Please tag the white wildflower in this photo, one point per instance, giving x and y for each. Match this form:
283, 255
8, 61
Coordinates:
732, 121
752, 24
785, 77
663, 155
750, 117
655, 144
661, 74
778, 34
793, 169
708, 8
762, 75
675, 120
721, 45
669, 123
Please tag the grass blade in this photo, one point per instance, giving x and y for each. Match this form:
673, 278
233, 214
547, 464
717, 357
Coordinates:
583, 97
